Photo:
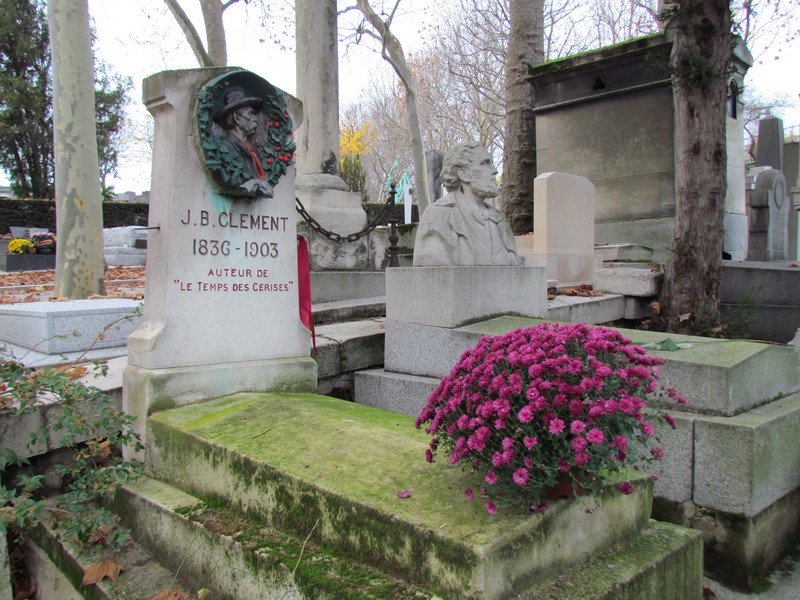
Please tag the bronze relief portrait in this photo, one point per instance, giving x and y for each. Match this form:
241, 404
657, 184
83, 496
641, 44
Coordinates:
245, 134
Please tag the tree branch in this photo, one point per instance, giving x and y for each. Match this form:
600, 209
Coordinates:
195, 42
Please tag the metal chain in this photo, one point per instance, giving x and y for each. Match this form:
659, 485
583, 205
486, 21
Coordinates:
331, 235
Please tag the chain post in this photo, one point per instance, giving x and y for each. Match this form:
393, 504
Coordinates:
394, 261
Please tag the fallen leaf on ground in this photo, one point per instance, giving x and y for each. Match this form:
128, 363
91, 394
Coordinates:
584, 291
100, 571
72, 372
656, 306
100, 535
708, 593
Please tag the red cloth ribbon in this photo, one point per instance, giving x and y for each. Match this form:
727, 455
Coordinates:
261, 174
258, 168
304, 289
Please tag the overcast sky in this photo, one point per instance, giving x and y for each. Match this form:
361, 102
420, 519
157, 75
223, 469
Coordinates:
141, 38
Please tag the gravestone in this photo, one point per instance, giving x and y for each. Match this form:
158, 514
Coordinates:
769, 207
769, 149
563, 240
222, 310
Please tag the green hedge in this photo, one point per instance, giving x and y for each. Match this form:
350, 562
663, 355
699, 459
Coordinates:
42, 213
373, 209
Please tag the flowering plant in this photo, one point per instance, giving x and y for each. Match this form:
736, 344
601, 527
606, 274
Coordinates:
536, 405
20, 246
45, 243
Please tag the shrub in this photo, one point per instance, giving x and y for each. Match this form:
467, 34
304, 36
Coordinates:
88, 424
20, 246
536, 405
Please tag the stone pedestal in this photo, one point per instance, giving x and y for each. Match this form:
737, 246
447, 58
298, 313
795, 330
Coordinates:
328, 199
222, 312
428, 315
324, 194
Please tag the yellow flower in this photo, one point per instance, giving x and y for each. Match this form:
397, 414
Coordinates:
20, 246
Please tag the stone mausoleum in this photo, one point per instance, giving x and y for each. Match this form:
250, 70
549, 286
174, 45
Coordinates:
607, 115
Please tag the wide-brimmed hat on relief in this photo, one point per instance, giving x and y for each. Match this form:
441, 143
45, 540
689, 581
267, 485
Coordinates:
235, 98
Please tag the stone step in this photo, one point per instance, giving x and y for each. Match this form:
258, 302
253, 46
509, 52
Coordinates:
58, 565
717, 377
332, 286
307, 462
241, 556
349, 310
589, 310
345, 347
660, 562
623, 252
273, 564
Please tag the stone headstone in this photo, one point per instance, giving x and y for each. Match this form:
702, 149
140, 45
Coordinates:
563, 236
222, 310
769, 208
769, 148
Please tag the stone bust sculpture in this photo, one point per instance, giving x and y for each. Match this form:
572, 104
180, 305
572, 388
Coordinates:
461, 228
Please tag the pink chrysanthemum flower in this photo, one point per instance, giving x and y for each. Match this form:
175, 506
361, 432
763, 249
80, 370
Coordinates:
595, 437
520, 477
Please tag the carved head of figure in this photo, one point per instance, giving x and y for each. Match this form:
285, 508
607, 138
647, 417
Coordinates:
470, 163
240, 112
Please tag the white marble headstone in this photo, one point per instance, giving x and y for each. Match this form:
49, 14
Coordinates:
221, 272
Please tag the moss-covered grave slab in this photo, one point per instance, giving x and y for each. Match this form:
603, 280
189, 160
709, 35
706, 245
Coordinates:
306, 463
718, 377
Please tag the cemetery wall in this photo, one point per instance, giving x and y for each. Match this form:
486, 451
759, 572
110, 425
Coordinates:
42, 213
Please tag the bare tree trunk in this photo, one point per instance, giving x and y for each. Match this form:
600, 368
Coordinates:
79, 206
215, 31
701, 53
393, 53
525, 46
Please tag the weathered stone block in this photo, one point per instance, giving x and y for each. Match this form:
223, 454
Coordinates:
399, 393
453, 296
425, 350
61, 327
575, 309
341, 465
676, 471
745, 463
628, 282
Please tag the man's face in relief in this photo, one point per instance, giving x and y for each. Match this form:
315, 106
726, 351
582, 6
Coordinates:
483, 174
247, 120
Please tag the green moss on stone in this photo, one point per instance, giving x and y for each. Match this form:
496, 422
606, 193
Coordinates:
567, 62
